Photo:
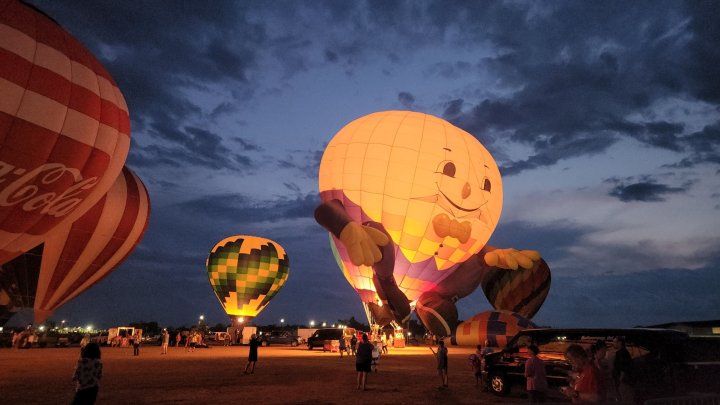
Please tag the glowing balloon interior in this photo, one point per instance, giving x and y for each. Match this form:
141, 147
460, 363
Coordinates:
246, 272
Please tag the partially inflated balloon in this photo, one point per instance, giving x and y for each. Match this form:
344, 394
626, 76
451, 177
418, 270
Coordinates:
78, 256
522, 291
497, 327
246, 272
64, 128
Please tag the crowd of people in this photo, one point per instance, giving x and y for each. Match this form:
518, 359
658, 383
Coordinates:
597, 375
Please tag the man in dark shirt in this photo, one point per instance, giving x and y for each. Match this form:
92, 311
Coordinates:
363, 361
622, 370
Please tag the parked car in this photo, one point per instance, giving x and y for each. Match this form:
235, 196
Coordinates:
280, 337
320, 336
657, 355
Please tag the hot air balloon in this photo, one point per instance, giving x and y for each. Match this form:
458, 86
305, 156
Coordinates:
522, 291
74, 257
64, 128
497, 327
246, 272
408, 199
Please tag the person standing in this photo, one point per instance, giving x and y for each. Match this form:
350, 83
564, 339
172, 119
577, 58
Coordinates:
165, 341
476, 364
442, 363
88, 372
536, 380
252, 355
363, 361
622, 371
342, 346
353, 344
586, 387
136, 343
178, 338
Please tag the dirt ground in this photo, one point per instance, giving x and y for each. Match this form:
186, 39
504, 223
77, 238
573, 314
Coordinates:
283, 375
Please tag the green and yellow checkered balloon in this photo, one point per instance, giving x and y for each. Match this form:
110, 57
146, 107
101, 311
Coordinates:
246, 272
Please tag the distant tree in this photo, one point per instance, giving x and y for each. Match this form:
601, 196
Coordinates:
148, 328
354, 323
219, 327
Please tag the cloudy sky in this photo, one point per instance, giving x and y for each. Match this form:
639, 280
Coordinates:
603, 116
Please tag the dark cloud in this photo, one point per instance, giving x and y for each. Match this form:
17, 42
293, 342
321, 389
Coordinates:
704, 146
645, 191
573, 71
645, 298
406, 99
448, 70
704, 60
306, 163
190, 147
243, 210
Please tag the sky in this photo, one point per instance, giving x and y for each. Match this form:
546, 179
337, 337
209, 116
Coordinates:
603, 116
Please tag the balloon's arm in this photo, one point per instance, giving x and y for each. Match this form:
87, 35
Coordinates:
360, 241
332, 216
510, 259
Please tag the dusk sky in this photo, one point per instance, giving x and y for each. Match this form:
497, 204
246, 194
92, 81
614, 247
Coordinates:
603, 116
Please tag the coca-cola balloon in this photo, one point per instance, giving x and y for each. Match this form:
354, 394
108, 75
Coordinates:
64, 128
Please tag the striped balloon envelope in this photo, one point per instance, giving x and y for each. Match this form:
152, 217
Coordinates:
77, 256
522, 291
64, 128
497, 327
246, 272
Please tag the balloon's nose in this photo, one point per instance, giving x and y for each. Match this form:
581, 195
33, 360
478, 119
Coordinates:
466, 190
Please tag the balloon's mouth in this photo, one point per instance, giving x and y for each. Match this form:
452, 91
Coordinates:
456, 205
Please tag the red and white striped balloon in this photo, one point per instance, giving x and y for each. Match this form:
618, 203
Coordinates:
77, 256
64, 128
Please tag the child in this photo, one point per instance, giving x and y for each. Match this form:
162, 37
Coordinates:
476, 364
442, 363
87, 374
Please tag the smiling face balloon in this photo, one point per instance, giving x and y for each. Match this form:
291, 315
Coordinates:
435, 189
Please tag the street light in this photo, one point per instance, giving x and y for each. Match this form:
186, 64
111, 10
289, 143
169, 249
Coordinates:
202, 317
324, 324
282, 320
312, 323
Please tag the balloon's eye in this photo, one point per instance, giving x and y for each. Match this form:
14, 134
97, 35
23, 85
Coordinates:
486, 185
449, 169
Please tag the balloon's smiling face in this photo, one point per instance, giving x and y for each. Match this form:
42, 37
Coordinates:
434, 187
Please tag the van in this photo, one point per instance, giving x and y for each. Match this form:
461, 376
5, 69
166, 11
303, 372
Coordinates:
320, 336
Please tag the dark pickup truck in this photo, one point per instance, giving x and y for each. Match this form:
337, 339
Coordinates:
279, 338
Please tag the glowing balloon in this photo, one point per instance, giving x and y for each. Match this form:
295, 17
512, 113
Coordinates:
435, 189
522, 291
64, 128
246, 272
497, 327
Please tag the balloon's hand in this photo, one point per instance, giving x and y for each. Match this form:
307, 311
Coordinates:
512, 258
362, 243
